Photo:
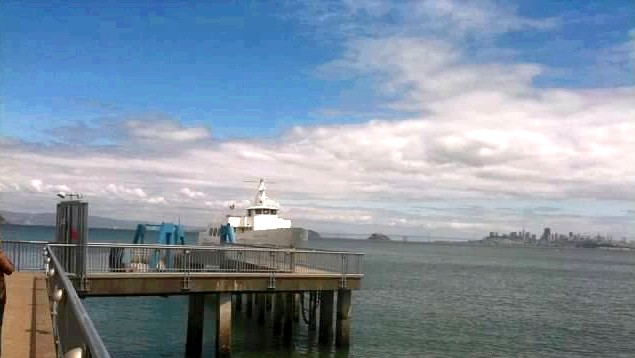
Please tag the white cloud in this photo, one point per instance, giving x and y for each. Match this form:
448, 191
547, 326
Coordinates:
36, 184
160, 131
491, 145
191, 193
39, 186
123, 191
475, 17
450, 19
156, 200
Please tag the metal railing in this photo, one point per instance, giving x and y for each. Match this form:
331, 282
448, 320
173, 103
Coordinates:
103, 258
25, 255
74, 332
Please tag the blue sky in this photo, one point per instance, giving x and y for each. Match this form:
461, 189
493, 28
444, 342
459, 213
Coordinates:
233, 79
214, 64
241, 61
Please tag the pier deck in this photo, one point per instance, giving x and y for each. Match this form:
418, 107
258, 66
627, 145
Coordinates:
27, 328
174, 283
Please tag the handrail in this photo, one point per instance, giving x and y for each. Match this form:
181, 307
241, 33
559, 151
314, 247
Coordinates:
25, 255
225, 247
27, 241
94, 343
221, 247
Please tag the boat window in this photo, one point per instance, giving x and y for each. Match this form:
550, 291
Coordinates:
258, 211
249, 212
265, 211
273, 212
211, 231
234, 230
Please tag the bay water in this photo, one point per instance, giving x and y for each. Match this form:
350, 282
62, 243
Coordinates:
417, 300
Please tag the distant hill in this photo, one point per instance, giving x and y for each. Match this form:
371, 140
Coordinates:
378, 237
2, 220
48, 219
314, 235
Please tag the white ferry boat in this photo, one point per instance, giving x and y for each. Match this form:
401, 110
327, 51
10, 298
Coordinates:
260, 226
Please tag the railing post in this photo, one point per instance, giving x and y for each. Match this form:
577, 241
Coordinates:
344, 269
186, 268
272, 260
292, 261
19, 255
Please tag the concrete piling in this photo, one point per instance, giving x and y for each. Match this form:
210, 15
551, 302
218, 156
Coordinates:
343, 315
224, 325
260, 307
296, 307
239, 302
326, 317
269, 302
194, 340
249, 305
289, 308
278, 313
312, 311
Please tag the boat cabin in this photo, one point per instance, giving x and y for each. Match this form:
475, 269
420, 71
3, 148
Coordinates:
261, 215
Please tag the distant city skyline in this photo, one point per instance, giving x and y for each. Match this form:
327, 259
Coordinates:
448, 118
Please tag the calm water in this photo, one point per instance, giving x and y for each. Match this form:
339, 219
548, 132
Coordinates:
420, 300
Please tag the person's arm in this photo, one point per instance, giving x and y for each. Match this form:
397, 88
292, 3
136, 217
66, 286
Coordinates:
6, 266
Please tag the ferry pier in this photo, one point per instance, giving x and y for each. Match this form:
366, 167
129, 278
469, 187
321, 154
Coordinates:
286, 286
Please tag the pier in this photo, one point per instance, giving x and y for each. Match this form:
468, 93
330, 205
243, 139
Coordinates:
27, 327
262, 283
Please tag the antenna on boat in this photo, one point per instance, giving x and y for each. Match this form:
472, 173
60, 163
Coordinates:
260, 180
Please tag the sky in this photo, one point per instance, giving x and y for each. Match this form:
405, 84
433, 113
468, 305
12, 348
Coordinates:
446, 118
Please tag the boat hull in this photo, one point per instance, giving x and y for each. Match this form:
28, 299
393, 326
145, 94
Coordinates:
283, 238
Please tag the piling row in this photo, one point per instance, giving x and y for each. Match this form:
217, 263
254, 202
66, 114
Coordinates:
285, 309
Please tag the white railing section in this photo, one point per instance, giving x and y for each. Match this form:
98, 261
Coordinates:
103, 258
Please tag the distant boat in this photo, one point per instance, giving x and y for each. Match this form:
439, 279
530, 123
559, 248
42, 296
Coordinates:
260, 226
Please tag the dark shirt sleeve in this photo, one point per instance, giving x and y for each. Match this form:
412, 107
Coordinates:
6, 266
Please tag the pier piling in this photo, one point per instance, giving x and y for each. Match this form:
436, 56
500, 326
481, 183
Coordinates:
194, 341
223, 325
326, 317
278, 313
239, 302
260, 307
249, 305
312, 311
289, 307
343, 322
296, 307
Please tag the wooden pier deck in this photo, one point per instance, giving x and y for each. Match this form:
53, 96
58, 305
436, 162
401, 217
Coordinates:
27, 328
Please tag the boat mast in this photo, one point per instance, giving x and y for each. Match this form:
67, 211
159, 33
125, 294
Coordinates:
261, 198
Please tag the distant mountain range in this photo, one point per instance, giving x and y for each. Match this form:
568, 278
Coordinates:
48, 219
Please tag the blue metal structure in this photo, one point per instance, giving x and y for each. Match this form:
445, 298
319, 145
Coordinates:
169, 234
227, 235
